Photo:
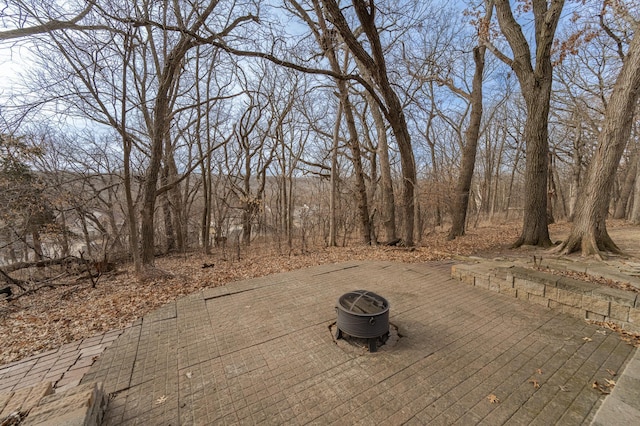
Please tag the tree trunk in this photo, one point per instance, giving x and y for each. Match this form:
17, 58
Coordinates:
388, 208
535, 85
333, 231
131, 218
576, 169
160, 130
247, 222
174, 196
65, 235
132, 221
634, 217
469, 150
37, 243
354, 146
85, 233
552, 194
169, 232
589, 232
627, 188
376, 65
535, 230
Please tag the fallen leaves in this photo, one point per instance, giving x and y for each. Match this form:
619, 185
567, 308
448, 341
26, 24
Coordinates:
493, 399
603, 389
52, 317
534, 381
632, 339
587, 339
161, 400
607, 386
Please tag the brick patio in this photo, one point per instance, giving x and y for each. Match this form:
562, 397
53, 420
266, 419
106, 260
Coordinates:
260, 351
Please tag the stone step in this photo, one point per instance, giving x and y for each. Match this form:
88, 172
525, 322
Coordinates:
578, 298
38, 405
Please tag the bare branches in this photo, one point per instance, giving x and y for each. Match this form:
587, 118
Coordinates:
610, 33
47, 26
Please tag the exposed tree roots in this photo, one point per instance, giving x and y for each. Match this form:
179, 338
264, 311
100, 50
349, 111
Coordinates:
589, 244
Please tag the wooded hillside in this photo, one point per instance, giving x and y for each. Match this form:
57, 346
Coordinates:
139, 128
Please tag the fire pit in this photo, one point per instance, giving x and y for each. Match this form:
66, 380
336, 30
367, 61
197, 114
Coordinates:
363, 314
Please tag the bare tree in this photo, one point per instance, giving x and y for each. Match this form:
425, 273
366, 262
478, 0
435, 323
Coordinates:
589, 231
461, 195
375, 63
327, 41
535, 77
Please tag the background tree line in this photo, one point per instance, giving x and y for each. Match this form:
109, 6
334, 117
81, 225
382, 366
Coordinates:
142, 127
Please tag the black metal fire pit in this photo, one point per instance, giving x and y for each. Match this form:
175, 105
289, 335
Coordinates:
363, 314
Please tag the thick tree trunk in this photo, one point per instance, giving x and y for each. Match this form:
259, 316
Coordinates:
535, 85
161, 127
589, 232
407, 161
535, 230
467, 164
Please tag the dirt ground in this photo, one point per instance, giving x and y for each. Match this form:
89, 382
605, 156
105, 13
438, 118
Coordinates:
74, 310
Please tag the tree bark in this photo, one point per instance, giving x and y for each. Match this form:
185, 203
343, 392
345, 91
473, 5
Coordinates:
393, 110
356, 153
160, 130
627, 188
467, 164
167, 214
589, 232
388, 209
333, 226
634, 217
576, 169
535, 85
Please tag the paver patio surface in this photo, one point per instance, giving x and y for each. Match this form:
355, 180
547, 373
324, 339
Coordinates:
261, 351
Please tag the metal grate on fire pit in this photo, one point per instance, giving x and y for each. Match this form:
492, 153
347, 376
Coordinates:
363, 314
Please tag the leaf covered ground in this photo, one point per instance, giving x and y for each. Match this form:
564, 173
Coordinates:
51, 317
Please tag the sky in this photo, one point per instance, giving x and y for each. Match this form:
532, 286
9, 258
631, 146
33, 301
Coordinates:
14, 60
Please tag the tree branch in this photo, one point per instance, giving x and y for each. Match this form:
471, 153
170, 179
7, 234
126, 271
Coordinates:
54, 25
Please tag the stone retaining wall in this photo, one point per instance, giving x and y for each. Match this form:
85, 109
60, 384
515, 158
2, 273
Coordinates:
39, 405
578, 298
